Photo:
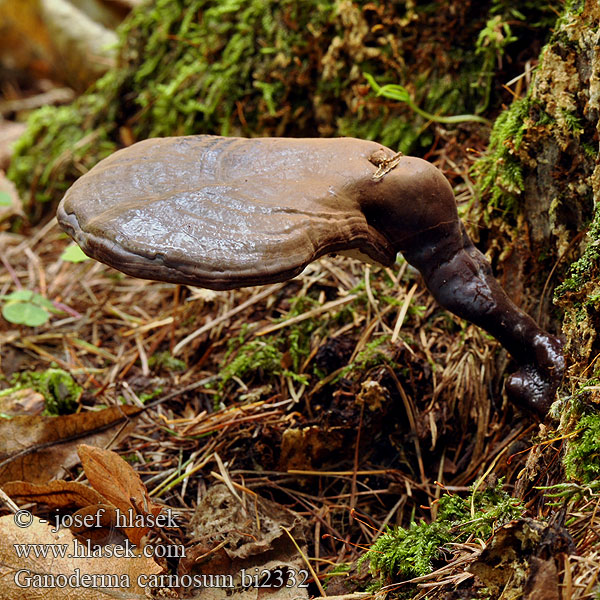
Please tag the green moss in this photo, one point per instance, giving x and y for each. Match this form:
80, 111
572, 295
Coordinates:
582, 460
59, 144
255, 357
495, 40
573, 121
61, 392
165, 360
572, 7
586, 268
590, 149
403, 553
500, 171
491, 44
536, 124
373, 354
297, 339
407, 553
265, 357
262, 67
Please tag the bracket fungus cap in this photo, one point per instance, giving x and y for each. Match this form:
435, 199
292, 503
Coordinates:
224, 213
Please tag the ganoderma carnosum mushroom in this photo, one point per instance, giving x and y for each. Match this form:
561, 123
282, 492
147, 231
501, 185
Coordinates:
223, 213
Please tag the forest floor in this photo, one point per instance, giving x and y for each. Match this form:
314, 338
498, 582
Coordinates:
345, 399
287, 427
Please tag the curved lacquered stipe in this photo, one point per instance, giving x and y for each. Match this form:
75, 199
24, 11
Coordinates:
223, 213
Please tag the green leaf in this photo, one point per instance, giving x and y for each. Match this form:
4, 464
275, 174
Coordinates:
401, 94
44, 303
25, 313
5, 198
74, 254
30, 297
19, 296
395, 92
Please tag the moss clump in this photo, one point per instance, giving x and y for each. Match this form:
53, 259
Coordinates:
260, 357
579, 296
404, 553
585, 269
407, 553
273, 356
60, 144
582, 460
61, 392
165, 360
500, 172
537, 139
264, 67
376, 352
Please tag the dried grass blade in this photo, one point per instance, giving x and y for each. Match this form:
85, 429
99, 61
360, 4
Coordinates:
402, 313
307, 315
253, 300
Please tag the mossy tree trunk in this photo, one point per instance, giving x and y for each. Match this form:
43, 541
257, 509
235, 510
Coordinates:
543, 173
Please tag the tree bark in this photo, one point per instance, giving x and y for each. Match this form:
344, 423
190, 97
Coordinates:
543, 168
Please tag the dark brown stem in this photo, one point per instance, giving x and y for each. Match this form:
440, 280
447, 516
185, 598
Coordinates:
461, 280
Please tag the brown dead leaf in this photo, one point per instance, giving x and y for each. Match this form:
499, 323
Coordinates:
54, 494
516, 562
120, 573
10, 132
11, 203
244, 534
38, 448
22, 402
120, 485
112, 476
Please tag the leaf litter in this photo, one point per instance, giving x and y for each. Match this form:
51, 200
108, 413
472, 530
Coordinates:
323, 417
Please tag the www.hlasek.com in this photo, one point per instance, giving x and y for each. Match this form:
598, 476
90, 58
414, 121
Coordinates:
87, 549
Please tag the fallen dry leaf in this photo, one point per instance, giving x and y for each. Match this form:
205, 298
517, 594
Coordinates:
39, 448
241, 546
516, 562
22, 402
10, 203
54, 494
120, 485
19, 574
